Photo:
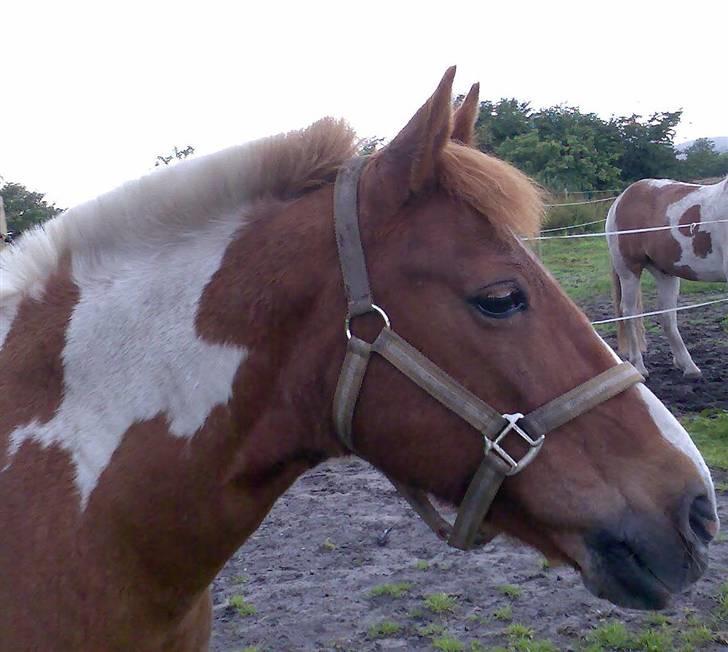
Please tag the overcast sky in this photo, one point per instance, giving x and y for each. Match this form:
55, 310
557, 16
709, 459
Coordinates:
92, 92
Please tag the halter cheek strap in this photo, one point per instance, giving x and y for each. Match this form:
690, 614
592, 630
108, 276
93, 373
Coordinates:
497, 463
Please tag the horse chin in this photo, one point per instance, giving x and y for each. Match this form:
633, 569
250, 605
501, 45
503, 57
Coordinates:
632, 585
617, 574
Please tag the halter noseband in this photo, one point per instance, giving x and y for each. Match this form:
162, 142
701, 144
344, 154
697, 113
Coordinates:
497, 463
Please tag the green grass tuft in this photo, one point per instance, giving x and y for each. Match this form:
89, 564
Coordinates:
696, 637
722, 610
384, 629
516, 630
504, 613
422, 565
440, 603
395, 590
612, 635
510, 591
328, 545
242, 606
655, 640
430, 630
448, 644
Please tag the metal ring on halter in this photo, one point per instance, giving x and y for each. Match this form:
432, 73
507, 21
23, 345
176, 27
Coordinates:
374, 308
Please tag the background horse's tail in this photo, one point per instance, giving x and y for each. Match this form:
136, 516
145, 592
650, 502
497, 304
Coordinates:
622, 341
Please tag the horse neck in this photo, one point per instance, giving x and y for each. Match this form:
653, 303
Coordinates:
191, 391
262, 304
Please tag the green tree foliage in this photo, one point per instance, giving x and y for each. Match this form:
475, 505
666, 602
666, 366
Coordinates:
562, 147
648, 145
25, 208
701, 160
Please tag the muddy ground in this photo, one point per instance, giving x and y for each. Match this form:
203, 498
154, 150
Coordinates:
310, 569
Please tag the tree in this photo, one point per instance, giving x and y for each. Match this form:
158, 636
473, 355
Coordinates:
499, 121
25, 208
648, 145
702, 161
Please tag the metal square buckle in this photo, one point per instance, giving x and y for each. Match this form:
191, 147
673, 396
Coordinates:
493, 446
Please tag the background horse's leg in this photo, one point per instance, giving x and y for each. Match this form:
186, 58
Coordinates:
668, 288
631, 304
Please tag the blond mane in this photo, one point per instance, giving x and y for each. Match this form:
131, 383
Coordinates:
172, 203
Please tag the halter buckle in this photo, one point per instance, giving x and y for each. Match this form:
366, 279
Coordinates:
493, 446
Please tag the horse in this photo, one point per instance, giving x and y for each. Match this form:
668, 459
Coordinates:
175, 353
695, 248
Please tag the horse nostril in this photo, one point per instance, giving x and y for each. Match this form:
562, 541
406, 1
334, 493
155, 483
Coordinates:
702, 519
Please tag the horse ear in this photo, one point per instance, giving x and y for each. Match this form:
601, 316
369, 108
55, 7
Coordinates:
412, 157
465, 117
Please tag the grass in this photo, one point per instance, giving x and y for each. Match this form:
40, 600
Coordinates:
422, 565
504, 613
440, 603
521, 639
448, 644
242, 606
709, 431
432, 629
510, 591
395, 590
655, 640
384, 629
328, 545
722, 610
583, 269
516, 630
611, 636
696, 637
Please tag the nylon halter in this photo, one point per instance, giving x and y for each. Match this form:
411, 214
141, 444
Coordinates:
468, 528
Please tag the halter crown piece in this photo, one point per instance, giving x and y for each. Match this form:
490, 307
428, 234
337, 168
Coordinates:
469, 527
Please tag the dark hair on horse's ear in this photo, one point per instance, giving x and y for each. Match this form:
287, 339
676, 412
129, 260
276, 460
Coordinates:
465, 117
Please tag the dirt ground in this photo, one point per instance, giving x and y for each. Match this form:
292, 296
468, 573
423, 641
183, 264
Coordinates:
309, 570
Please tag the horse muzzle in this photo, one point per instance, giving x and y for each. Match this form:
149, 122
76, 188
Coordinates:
642, 561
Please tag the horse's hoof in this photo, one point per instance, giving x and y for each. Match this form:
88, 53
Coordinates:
693, 374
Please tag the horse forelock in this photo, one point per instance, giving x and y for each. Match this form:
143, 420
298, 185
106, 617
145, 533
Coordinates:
494, 188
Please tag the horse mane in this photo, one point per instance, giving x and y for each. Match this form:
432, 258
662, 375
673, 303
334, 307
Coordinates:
506, 196
172, 203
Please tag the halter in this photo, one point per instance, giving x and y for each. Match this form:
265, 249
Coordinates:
468, 528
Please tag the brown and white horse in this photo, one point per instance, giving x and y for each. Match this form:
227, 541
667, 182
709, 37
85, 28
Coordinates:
695, 249
169, 358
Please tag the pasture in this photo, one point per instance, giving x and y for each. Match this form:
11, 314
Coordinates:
321, 574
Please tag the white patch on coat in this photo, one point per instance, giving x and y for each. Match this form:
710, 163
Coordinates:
8, 310
659, 183
713, 206
671, 429
132, 352
674, 433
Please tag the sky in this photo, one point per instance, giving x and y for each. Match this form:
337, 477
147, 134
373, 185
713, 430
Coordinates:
94, 91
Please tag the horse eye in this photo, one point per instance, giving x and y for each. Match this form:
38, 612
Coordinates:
499, 305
